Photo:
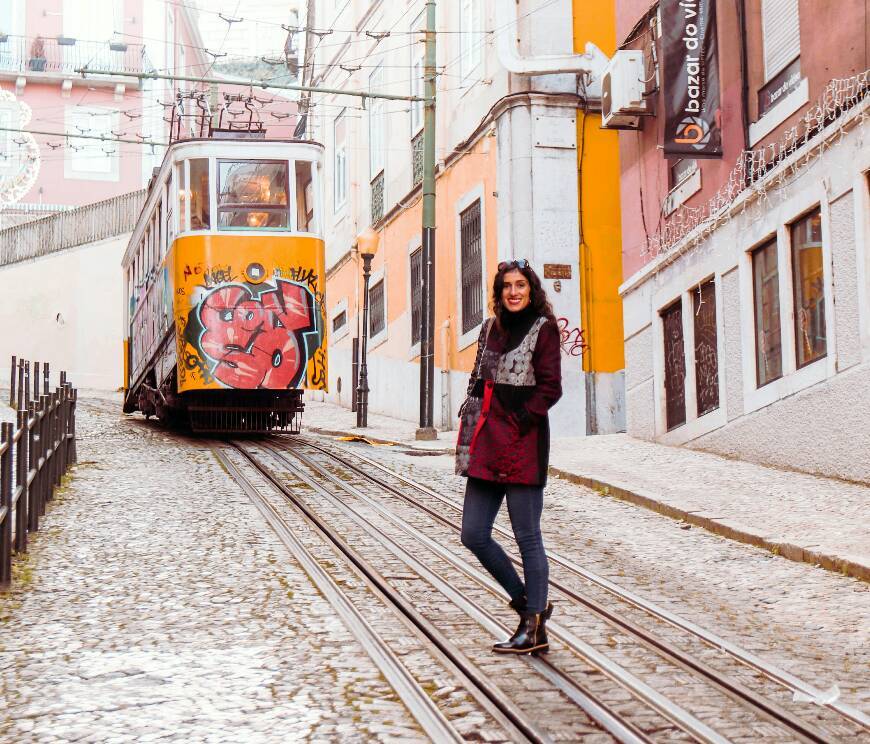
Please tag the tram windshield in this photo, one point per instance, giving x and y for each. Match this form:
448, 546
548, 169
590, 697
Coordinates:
252, 195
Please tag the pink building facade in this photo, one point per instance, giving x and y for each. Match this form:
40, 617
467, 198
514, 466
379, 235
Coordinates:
42, 44
746, 287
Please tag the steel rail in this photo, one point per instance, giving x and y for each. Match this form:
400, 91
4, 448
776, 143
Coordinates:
777, 675
483, 689
570, 687
427, 714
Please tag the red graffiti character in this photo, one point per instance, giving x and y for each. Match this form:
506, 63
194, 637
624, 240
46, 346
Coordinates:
254, 341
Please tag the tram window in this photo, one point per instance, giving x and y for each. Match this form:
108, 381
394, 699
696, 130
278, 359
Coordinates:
304, 197
200, 219
170, 225
182, 198
252, 194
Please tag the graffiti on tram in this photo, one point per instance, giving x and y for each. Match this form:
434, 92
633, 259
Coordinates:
246, 336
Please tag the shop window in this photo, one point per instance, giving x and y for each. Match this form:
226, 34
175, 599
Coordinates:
471, 267
706, 348
675, 365
768, 340
811, 341
200, 216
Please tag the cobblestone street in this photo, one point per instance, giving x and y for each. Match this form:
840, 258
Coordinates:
157, 604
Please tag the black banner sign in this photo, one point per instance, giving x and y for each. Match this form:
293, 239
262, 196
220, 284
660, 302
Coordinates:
691, 79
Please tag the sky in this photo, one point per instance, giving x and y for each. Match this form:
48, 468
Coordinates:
259, 34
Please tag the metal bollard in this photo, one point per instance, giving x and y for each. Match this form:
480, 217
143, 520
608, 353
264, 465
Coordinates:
5, 503
26, 381
21, 470
21, 383
73, 454
45, 373
36, 379
12, 384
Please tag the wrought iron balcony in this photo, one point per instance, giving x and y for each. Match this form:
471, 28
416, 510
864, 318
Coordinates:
417, 158
377, 205
60, 57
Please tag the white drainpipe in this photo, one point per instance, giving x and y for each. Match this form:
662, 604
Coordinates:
592, 63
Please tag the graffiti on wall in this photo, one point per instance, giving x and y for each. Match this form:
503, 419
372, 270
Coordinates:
571, 339
253, 336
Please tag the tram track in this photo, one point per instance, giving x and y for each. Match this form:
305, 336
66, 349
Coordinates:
518, 725
799, 728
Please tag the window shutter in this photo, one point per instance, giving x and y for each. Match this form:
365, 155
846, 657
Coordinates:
781, 29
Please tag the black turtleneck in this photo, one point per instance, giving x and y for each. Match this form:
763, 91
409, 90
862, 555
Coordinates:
517, 325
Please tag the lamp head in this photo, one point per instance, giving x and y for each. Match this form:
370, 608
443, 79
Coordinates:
368, 242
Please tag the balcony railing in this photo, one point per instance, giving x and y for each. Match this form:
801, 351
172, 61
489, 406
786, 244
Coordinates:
417, 159
377, 205
20, 55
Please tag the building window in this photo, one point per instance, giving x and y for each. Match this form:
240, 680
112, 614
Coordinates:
809, 289
471, 267
706, 348
417, 60
416, 296
88, 158
377, 309
675, 365
377, 123
339, 140
471, 36
768, 342
780, 27
339, 321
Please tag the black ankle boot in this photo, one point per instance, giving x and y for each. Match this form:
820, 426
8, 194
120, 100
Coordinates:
520, 604
530, 636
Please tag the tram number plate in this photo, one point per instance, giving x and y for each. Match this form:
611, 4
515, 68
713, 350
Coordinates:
557, 271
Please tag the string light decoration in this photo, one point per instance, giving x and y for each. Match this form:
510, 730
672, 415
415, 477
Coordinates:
801, 144
16, 184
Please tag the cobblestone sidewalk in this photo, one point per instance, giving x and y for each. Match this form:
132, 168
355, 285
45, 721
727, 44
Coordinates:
156, 604
802, 517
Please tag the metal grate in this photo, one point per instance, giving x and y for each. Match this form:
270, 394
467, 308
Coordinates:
675, 366
471, 267
706, 348
417, 158
377, 189
377, 316
416, 296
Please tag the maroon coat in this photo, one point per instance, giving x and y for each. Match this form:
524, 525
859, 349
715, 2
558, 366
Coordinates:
505, 434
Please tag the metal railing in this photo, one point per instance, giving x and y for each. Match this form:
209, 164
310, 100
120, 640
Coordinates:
35, 453
86, 224
377, 193
417, 159
20, 54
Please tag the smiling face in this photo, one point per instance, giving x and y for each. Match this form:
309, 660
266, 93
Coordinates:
516, 294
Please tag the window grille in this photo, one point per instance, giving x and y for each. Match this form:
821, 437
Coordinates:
339, 321
417, 158
675, 366
416, 296
471, 267
768, 343
377, 191
377, 314
706, 348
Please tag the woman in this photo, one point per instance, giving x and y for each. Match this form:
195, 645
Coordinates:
504, 443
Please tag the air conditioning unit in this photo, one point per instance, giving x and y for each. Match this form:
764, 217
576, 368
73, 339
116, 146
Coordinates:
622, 88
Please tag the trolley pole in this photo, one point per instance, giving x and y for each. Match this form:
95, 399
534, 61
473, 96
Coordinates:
427, 334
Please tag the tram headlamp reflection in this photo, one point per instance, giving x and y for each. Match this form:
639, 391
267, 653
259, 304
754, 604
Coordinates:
257, 219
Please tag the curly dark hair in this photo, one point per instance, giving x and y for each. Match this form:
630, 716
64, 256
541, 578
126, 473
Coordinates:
538, 299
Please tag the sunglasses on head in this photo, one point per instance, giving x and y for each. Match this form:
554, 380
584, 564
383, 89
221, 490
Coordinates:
519, 263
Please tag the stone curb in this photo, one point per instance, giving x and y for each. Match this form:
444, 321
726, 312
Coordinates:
786, 550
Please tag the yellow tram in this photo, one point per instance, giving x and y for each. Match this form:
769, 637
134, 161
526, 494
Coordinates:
224, 275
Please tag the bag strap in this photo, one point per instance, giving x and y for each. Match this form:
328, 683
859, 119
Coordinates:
482, 341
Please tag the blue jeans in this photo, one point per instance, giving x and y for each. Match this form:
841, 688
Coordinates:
525, 503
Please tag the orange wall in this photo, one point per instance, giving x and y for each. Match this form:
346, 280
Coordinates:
473, 169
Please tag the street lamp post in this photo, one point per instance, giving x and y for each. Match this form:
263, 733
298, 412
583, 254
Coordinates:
367, 243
